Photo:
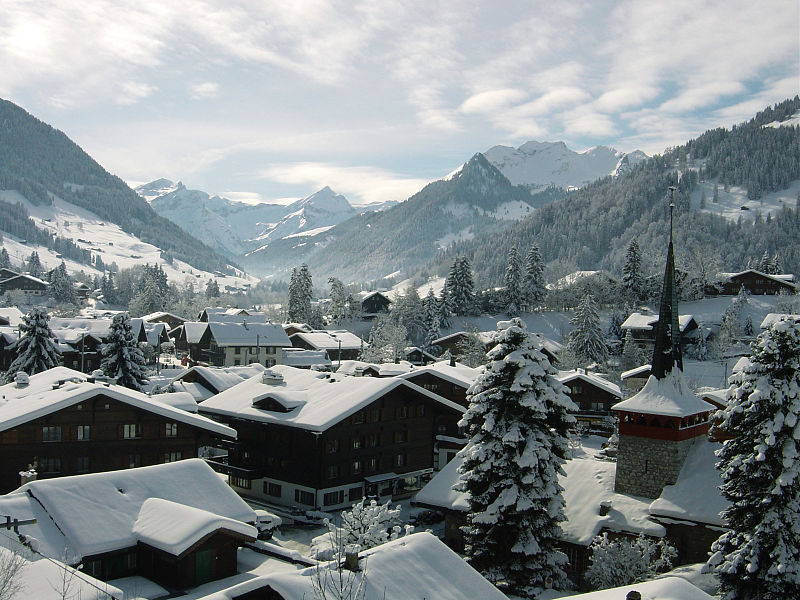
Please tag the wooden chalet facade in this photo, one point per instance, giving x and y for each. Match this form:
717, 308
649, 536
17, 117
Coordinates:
338, 345
378, 437
594, 397
74, 426
374, 303
755, 282
31, 287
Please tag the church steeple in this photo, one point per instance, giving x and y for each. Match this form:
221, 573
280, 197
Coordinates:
667, 349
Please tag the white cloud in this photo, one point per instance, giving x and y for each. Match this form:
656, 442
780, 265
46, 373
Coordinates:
490, 101
360, 184
207, 89
134, 91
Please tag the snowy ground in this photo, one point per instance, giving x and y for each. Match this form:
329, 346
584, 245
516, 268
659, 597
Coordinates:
731, 202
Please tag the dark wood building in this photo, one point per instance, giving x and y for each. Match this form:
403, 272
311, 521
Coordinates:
313, 440
32, 287
755, 282
60, 423
374, 303
594, 397
339, 345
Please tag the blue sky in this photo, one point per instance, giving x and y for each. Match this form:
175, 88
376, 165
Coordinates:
266, 99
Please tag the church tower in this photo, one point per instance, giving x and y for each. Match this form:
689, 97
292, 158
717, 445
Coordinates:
658, 425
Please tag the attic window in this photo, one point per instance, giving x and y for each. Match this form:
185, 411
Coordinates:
271, 405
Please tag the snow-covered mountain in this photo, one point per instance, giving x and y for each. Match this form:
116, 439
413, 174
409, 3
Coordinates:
538, 165
236, 228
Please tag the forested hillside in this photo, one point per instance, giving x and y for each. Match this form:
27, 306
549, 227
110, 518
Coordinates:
591, 228
37, 160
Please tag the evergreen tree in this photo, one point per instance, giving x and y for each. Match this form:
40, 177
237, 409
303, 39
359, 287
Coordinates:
122, 357
36, 349
148, 300
513, 283
715, 197
387, 341
632, 355
212, 289
338, 310
5, 259
445, 308
315, 319
61, 285
461, 287
586, 339
471, 350
518, 423
107, 288
632, 277
760, 556
300, 294
408, 313
34, 266
430, 312
534, 277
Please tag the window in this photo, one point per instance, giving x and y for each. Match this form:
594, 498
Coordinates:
333, 471
332, 446
373, 440
356, 467
355, 494
577, 389
401, 412
82, 464
172, 456
598, 406
420, 410
134, 460
171, 429
358, 418
442, 428
357, 443
51, 434
130, 560
241, 482
272, 489
132, 431
237, 350
84, 433
400, 437
433, 387
374, 415
50, 465
333, 498
372, 465
304, 497
399, 460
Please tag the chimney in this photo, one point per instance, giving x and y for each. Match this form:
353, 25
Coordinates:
351, 557
21, 379
605, 507
452, 361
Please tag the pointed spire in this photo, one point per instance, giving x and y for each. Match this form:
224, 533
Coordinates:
667, 350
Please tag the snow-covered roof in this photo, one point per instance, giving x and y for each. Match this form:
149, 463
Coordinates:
70, 331
459, 374
741, 364
9, 333
182, 400
670, 396
587, 482
415, 566
646, 321
486, 337
96, 512
591, 378
12, 315
51, 540
349, 367
364, 295
773, 318
156, 317
28, 277
785, 278
636, 371
394, 369
249, 334
667, 588
695, 495
154, 332
234, 315
193, 331
297, 357
330, 340
174, 527
314, 401
219, 379
39, 398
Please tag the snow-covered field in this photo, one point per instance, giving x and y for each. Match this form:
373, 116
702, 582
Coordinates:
734, 203
105, 239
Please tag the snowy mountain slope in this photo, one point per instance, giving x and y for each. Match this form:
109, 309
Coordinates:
236, 228
733, 203
104, 239
537, 165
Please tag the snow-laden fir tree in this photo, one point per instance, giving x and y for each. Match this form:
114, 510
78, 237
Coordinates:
34, 266
387, 341
461, 287
5, 259
61, 285
586, 340
408, 312
759, 558
36, 348
445, 308
534, 278
430, 317
212, 289
632, 277
517, 422
514, 298
622, 561
471, 350
107, 288
632, 355
300, 294
122, 357
338, 308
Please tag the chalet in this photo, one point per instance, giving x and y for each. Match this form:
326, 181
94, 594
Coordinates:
449, 380
292, 328
11, 316
231, 315
203, 382
82, 291
177, 524
7, 273
32, 287
373, 303
63, 423
593, 395
339, 345
319, 440
306, 359
231, 344
81, 341
635, 378
773, 318
171, 320
156, 333
642, 328
8, 341
755, 282
187, 339
418, 356
452, 342
414, 566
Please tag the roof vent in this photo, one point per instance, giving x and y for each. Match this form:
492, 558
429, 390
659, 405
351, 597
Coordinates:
22, 380
271, 377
